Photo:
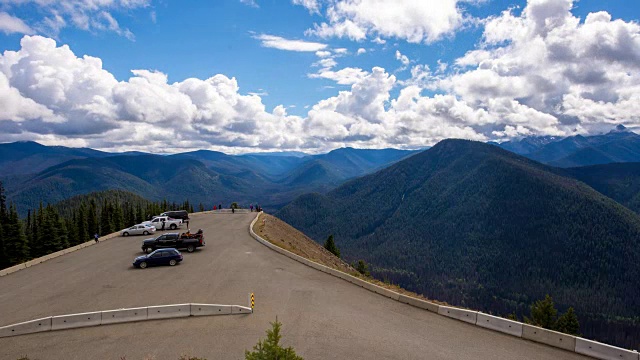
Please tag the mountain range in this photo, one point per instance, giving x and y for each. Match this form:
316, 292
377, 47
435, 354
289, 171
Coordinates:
619, 145
34, 173
477, 226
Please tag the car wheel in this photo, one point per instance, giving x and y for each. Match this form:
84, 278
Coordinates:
172, 262
191, 248
145, 233
173, 227
125, 234
143, 265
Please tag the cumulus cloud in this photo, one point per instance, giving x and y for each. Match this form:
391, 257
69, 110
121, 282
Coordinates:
88, 15
542, 71
280, 43
551, 71
416, 21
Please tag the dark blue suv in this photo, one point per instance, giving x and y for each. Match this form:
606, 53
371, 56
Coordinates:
169, 256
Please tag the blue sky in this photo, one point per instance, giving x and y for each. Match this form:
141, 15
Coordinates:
463, 72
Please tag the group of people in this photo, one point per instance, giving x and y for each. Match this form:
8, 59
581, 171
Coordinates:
233, 210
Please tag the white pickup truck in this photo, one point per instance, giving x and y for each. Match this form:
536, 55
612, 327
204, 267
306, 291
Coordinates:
169, 223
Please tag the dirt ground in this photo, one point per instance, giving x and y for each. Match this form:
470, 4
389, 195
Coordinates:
287, 237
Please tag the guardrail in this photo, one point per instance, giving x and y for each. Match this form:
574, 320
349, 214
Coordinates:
117, 316
54, 255
506, 326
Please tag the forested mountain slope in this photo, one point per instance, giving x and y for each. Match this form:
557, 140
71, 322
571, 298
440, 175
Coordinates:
478, 226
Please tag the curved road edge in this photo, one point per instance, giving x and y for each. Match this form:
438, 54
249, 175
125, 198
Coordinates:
513, 328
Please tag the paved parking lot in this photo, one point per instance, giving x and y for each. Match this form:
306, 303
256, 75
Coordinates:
323, 317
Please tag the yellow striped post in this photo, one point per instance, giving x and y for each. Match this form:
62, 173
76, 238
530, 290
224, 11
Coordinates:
253, 302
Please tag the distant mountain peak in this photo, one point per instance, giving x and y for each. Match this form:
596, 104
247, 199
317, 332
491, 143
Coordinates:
619, 128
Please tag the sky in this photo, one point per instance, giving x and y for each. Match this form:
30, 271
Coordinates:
243, 76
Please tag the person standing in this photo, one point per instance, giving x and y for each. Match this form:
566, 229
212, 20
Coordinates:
187, 222
162, 225
251, 207
96, 238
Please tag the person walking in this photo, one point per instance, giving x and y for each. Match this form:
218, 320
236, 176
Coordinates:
96, 238
251, 207
187, 222
162, 225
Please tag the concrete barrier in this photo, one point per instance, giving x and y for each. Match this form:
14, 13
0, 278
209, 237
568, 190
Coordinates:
76, 320
382, 291
459, 314
236, 309
603, 351
168, 311
549, 337
419, 303
499, 324
27, 327
54, 255
124, 315
210, 309
13, 269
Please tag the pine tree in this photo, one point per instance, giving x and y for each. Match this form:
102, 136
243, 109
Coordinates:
201, 207
105, 218
81, 224
15, 241
363, 268
92, 219
117, 219
568, 323
3, 204
270, 348
54, 238
139, 214
544, 313
37, 244
4, 262
331, 246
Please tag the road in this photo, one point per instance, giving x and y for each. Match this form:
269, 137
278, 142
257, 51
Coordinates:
323, 317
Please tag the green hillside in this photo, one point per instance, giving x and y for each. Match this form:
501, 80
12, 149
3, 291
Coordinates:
478, 226
619, 181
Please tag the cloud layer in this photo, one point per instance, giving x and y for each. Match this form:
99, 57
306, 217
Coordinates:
416, 21
542, 71
90, 15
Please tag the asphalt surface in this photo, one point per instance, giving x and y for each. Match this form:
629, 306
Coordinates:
323, 317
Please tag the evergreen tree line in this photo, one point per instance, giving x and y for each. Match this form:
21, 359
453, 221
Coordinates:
52, 228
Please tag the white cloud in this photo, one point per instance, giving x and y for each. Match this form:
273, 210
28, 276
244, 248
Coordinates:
280, 43
540, 72
251, 3
402, 58
361, 51
11, 24
346, 76
416, 21
323, 53
558, 73
312, 5
87, 15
